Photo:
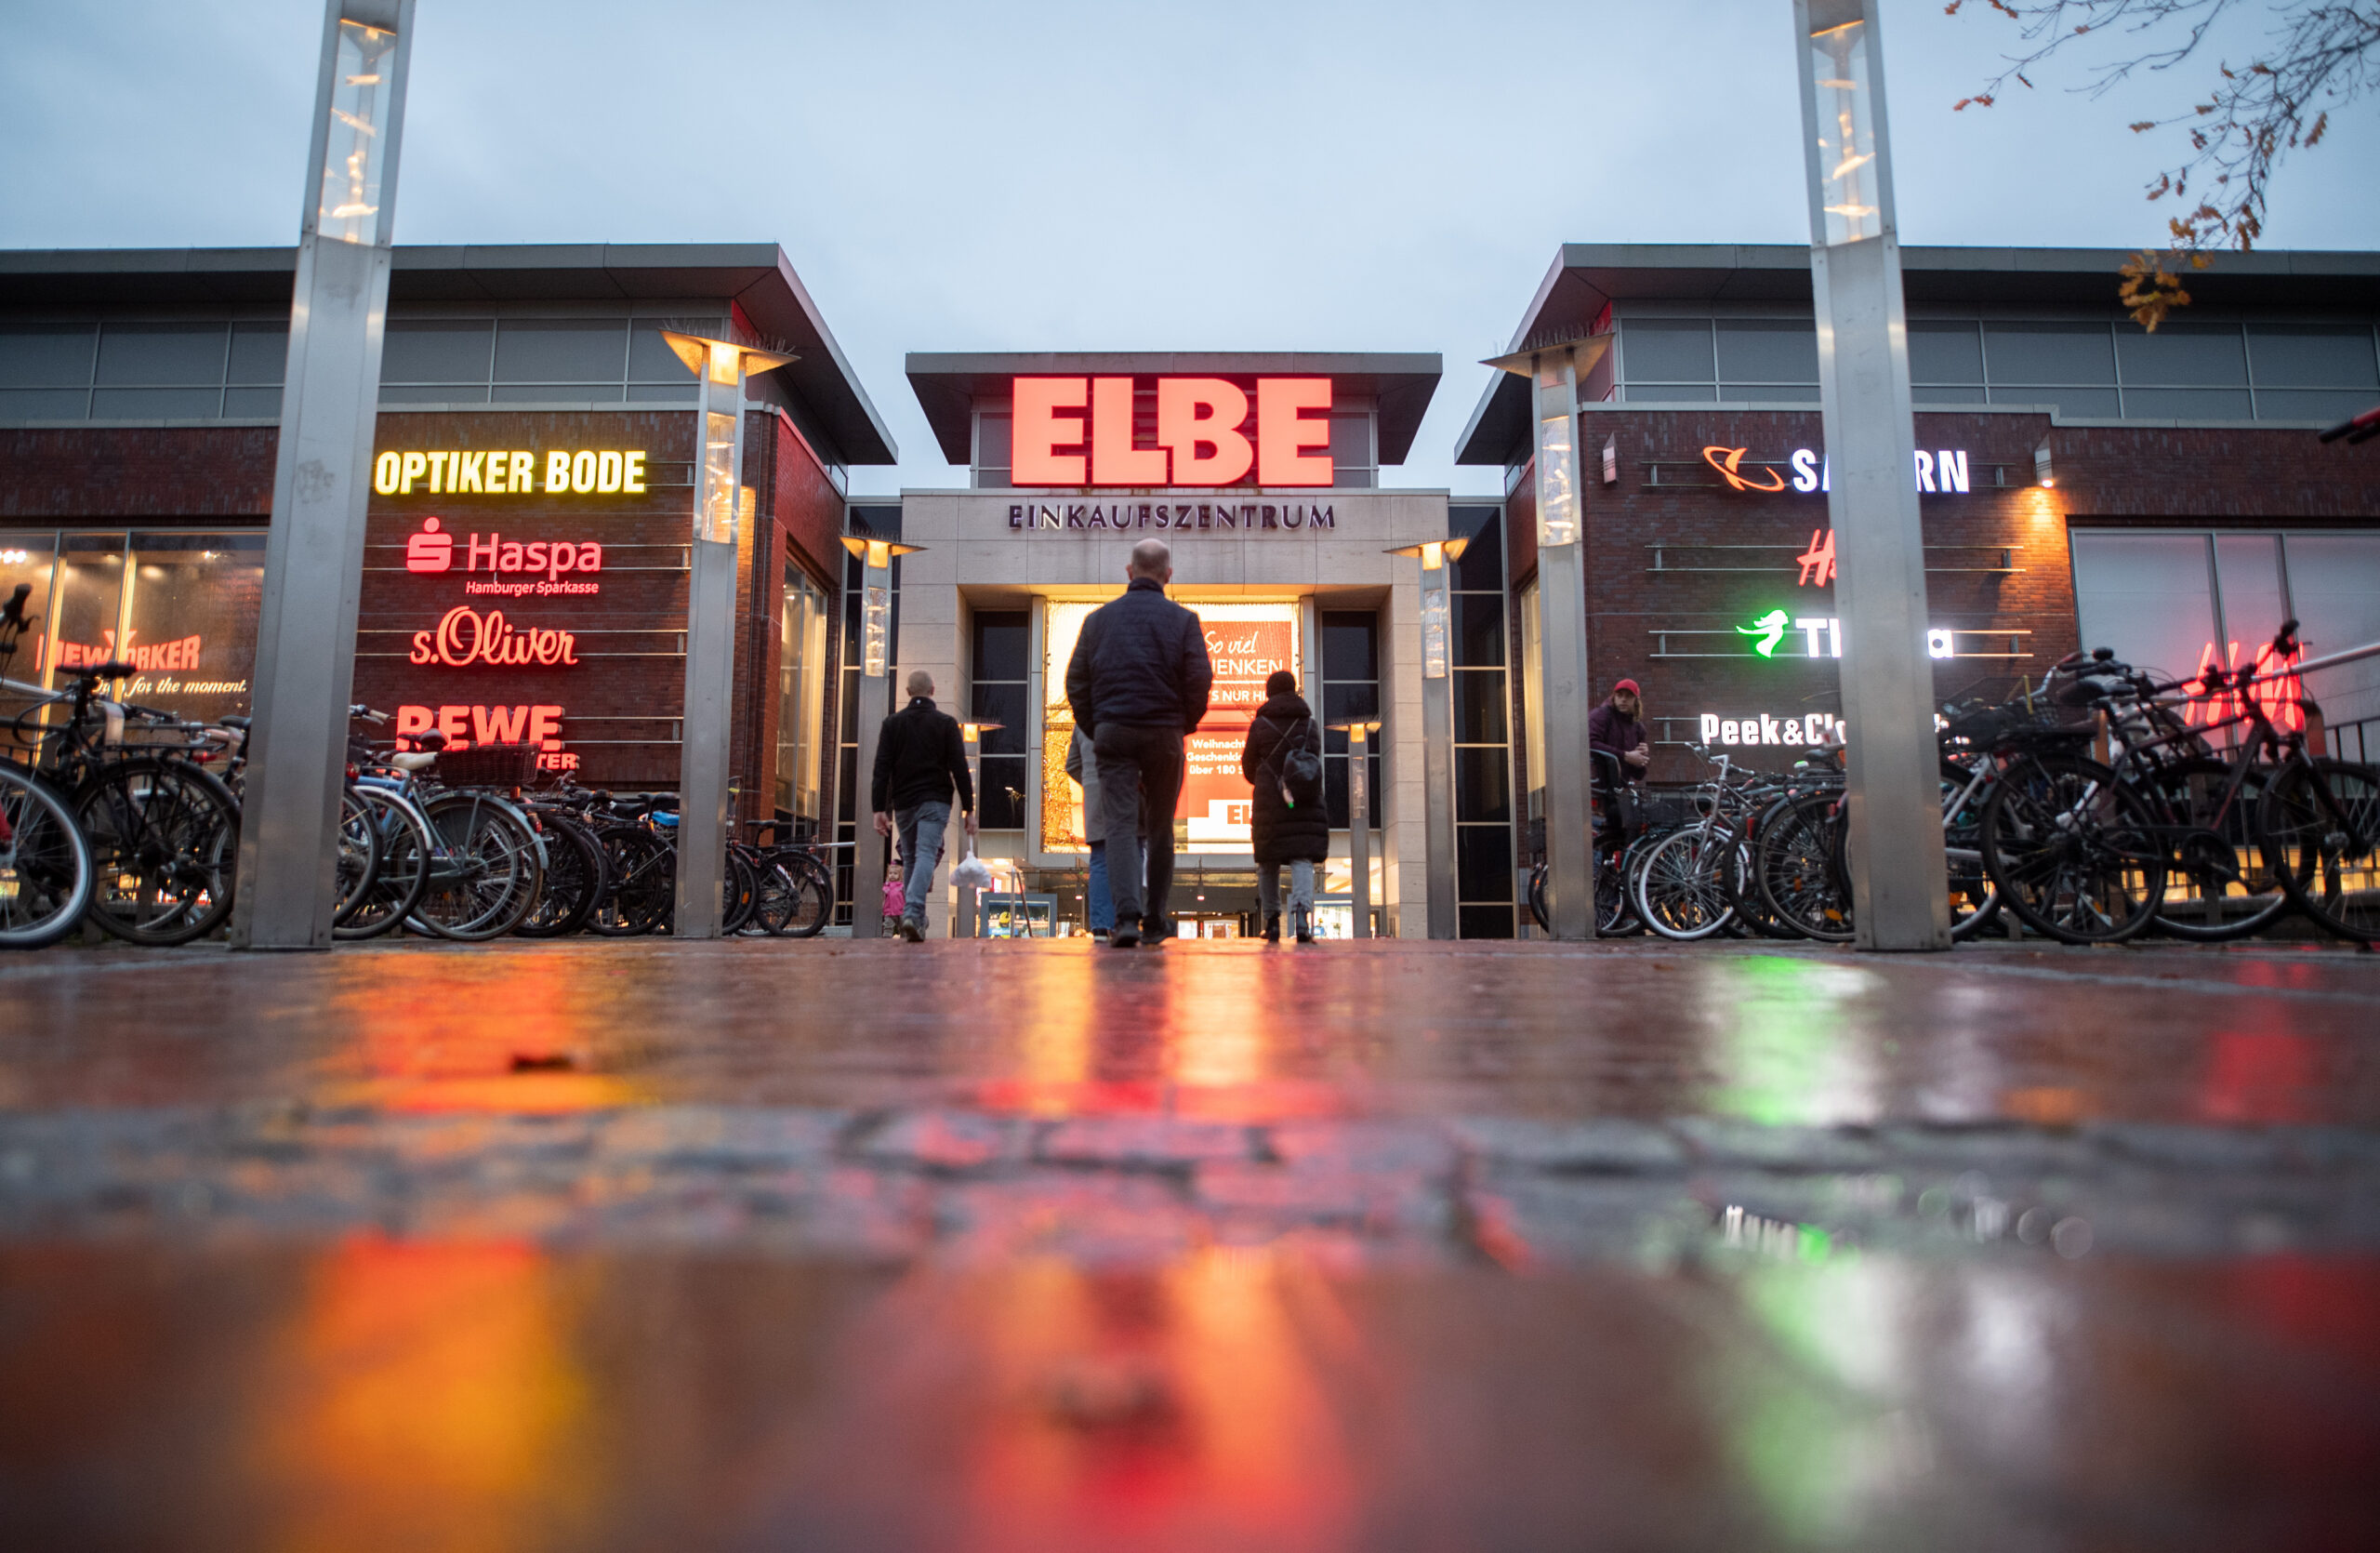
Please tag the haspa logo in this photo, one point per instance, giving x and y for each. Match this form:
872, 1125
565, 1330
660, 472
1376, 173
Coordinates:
1728, 461
1078, 431
432, 552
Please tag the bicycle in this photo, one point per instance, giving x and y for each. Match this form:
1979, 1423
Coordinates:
48, 873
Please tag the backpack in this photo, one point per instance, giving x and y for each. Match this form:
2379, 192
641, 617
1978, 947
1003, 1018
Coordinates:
1301, 769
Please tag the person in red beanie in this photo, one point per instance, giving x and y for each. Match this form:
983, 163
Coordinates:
1614, 726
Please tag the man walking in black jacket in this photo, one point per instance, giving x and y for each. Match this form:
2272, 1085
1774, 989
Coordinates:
918, 756
1137, 683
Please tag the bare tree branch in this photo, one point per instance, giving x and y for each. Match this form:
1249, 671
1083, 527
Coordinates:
2319, 57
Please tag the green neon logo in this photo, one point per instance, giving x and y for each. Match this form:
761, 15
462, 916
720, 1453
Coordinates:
1769, 629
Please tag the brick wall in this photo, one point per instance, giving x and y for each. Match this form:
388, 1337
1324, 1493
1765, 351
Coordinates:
135, 472
2146, 475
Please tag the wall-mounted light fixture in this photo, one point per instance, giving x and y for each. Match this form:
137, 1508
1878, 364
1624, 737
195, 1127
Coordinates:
2043, 475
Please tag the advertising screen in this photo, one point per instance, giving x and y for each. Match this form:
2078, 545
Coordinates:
1246, 643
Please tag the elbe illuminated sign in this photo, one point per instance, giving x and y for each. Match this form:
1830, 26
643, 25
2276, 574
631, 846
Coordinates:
1078, 431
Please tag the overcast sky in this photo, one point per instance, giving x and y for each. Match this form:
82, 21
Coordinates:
1037, 176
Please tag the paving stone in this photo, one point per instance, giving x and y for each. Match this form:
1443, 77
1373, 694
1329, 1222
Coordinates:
1141, 1140
946, 1140
1599, 1145
1721, 1140
1387, 1145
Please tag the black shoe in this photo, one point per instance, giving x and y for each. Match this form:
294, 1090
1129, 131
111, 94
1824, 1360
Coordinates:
911, 932
1306, 928
1272, 927
1123, 937
1155, 932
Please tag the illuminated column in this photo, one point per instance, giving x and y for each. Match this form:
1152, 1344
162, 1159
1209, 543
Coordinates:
1437, 725
1359, 824
1554, 373
719, 506
964, 921
321, 468
1899, 888
875, 706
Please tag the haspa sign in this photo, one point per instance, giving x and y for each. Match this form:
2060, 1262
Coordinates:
1078, 431
465, 638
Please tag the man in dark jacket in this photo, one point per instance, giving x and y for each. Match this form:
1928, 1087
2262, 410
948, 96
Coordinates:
1298, 834
1137, 683
918, 756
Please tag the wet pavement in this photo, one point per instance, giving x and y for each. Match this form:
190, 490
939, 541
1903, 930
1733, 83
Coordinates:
625, 1245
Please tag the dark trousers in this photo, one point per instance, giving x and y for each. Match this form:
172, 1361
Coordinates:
1140, 781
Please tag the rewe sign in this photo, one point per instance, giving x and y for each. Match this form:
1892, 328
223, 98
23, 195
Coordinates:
1078, 431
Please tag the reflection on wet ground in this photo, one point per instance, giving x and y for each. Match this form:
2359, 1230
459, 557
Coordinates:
1039, 1247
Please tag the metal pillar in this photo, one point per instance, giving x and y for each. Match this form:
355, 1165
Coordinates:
1437, 728
966, 918
320, 482
875, 706
709, 715
1359, 826
1554, 373
1899, 882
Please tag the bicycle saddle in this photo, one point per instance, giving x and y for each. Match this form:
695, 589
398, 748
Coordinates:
416, 761
240, 722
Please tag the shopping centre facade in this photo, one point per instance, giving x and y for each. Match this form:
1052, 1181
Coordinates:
2081, 481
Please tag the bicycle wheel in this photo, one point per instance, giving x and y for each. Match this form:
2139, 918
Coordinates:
1678, 892
359, 854
164, 837
1974, 901
47, 872
1614, 913
574, 878
814, 905
2320, 824
739, 890
403, 872
2073, 851
644, 883
1794, 868
2218, 885
485, 871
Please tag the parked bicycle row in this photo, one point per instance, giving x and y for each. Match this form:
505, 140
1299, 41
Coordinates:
128, 818
2104, 804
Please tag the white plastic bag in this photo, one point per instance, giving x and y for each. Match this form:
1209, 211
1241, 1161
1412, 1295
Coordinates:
974, 873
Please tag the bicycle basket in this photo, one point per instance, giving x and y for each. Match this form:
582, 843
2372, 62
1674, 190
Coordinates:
488, 766
1666, 811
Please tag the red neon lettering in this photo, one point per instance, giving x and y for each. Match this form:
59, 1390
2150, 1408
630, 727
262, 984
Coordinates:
465, 637
540, 726
1283, 432
1193, 413
1114, 458
498, 724
1036, 432
1817, 562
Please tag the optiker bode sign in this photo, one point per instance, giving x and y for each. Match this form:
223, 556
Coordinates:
1078, 431
456, 471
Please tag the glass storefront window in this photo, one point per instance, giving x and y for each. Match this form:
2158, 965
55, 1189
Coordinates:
801, 690
180, 606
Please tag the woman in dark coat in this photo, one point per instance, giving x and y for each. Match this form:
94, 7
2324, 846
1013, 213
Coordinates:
1298, 835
